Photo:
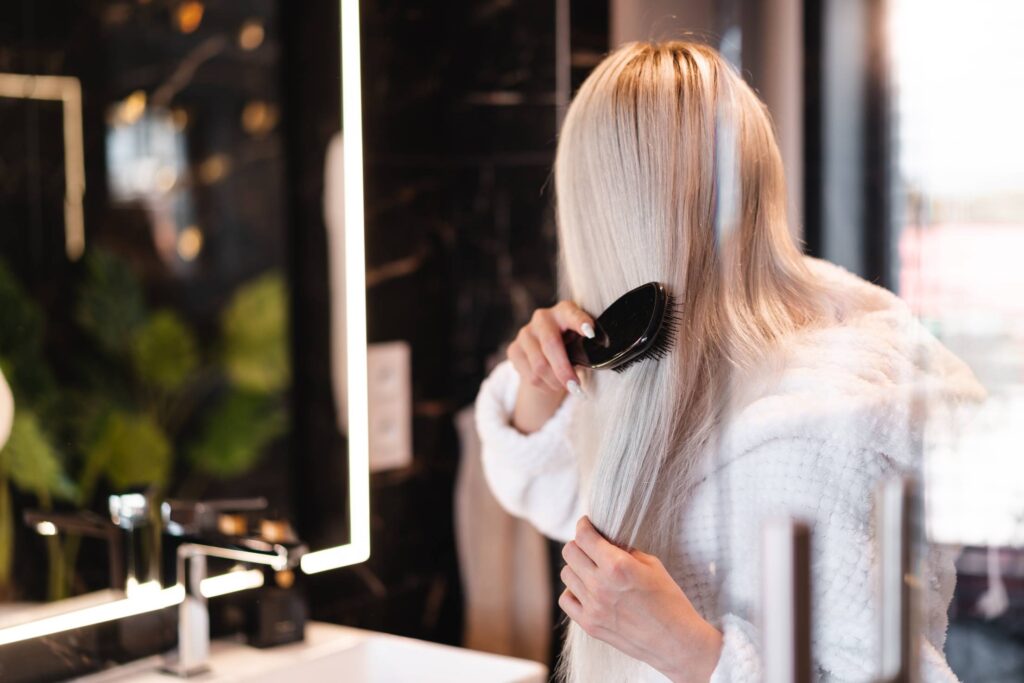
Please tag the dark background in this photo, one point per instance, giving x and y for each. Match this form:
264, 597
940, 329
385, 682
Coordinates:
460, 124
460, 187
460, 120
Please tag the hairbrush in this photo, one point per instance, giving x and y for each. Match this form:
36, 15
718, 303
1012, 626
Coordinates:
640, 324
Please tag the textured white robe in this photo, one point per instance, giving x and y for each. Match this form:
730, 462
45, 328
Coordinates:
854, 403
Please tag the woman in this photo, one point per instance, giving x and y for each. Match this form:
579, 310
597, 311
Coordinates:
791, 387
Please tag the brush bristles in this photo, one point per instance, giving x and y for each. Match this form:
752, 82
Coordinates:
664, 339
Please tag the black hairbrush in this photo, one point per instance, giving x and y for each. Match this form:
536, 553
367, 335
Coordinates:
639, 324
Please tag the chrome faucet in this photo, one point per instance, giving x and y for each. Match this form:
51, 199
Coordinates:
132, 513
84, 523
200, 526
181, 517
192, 655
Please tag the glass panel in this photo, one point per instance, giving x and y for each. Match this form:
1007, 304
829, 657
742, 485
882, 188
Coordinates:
960, 233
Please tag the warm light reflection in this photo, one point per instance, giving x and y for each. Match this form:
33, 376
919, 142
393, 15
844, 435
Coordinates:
179, 117
165, 178
251, 35
132, 108
259, 118
214, 168
189, 15
190, 243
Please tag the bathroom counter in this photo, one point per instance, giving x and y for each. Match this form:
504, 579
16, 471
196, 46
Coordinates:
332, 653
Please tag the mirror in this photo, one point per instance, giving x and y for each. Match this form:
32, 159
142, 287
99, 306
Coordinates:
165, 314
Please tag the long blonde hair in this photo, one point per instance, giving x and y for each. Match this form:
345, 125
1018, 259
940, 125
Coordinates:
636, 185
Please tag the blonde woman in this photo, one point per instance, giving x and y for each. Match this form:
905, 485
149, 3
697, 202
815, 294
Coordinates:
791, 387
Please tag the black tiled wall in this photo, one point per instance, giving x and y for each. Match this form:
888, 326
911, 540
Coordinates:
459, 121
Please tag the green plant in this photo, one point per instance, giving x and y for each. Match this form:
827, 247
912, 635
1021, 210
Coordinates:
255, 325
30, 462
164, 352
146, 401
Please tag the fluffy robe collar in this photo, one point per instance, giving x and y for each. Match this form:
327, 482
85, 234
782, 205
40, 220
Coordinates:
875, 381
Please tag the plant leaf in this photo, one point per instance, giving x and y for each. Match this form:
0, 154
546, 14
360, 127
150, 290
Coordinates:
164, 351
255, 326
21, 341
236, 434
32, 462
111, 305
132, 450
23, 321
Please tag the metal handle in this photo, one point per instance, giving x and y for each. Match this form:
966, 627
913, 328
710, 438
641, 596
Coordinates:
190, 517
192, 655
786, 601
896, 514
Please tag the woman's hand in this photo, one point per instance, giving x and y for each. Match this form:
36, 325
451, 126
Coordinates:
629, 600
538, 355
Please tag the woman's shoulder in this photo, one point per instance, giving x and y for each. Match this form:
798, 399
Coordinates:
864, 385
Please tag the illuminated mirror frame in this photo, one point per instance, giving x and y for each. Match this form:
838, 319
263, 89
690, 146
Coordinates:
68, 91
358, 547
90, 610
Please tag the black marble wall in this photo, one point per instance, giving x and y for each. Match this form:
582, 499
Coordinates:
460, 127
460, 122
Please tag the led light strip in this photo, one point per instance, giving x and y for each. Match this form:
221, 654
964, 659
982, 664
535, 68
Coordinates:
68, 91
231, 582
358, 548
148, 597
145, 601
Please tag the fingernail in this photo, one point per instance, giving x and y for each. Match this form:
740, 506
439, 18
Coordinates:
574, 387
588, 330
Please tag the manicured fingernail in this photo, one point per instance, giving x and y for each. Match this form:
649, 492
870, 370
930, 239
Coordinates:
588, 330
574, 387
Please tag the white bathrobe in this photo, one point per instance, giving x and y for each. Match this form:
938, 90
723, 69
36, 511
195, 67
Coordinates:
855, 403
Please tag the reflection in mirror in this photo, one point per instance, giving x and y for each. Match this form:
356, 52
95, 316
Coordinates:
159, 361
149, 255
68, 91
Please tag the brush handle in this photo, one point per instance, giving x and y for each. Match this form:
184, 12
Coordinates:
575, 345
574, 348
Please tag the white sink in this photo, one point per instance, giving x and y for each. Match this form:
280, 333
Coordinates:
348, 655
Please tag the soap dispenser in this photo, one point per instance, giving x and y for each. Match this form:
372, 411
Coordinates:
277, 612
